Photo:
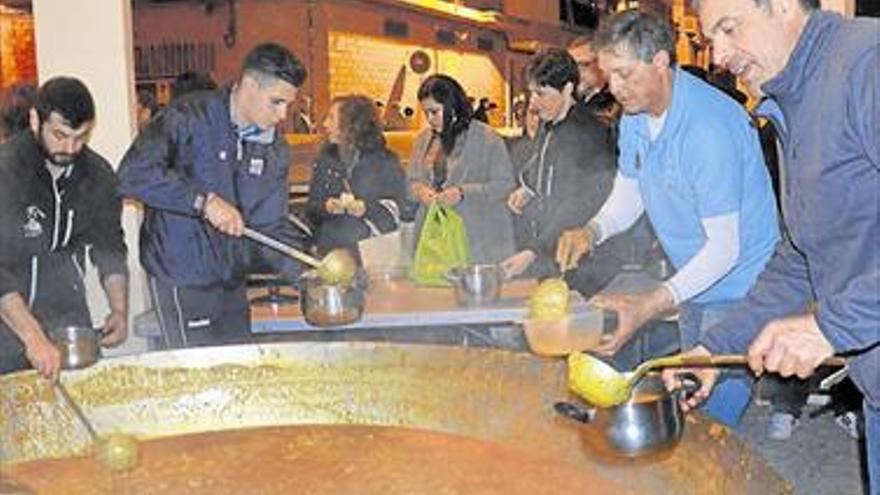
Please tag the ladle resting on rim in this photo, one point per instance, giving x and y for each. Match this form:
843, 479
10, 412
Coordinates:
603, 386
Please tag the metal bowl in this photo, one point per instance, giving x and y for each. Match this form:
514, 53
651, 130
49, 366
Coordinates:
79, 345
331, 305
476, 284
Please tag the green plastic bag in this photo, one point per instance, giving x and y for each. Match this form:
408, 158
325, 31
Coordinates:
443, 245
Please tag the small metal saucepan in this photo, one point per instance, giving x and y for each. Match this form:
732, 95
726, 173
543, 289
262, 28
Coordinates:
476, 284
650, 421
331, 305
79, 345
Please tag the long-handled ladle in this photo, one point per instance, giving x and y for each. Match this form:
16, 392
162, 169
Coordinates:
337, 267
603, 386
116, 451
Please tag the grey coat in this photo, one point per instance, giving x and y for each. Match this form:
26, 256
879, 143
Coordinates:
480, 165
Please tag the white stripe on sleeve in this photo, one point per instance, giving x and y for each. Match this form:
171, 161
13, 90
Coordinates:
712, 262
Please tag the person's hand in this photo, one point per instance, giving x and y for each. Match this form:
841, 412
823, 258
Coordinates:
573, 245
223, 216
115, 329
44, 356
706, 375
425, 194
451, 196
357, 208
633, 311
334, 206
518, 199
518, 263
790, 346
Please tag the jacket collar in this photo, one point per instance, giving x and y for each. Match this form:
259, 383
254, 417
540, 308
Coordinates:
247, 132
805, 58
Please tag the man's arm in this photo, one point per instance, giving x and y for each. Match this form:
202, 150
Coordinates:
42, 354
116, 324
782, 289
14, 263
620, 211
148, 171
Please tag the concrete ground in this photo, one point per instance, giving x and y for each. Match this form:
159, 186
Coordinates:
818, 459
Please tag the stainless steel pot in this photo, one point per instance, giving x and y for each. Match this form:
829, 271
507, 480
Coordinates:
651, 421
476, 284
326, 305
79, 345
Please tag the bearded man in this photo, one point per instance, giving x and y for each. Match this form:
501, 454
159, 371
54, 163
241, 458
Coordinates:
58, 203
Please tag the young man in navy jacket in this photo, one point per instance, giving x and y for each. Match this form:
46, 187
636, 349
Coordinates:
206, 166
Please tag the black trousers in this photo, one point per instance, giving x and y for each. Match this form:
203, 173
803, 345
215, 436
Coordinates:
201, 316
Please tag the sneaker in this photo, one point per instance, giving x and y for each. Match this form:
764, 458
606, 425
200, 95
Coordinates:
781, 426
851, 423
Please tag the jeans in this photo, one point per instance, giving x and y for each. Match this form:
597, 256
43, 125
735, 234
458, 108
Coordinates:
872, 447
732, 392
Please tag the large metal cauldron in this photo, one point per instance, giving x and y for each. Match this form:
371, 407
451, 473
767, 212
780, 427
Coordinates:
487, 394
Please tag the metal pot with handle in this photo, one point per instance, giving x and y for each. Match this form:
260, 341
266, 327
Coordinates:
79, 345
650, 421
330, 305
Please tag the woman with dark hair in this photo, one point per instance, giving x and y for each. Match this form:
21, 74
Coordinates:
462, 164
358, 186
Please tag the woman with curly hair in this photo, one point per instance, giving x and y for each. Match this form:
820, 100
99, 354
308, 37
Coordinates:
462, 163
358, 186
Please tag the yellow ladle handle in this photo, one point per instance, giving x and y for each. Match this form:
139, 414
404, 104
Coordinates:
717, 360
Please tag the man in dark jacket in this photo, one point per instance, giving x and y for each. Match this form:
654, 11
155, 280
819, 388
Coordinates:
58, 202
208, 164
567, 178
822, 71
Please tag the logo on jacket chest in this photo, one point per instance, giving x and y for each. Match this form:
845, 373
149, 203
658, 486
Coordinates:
32, 227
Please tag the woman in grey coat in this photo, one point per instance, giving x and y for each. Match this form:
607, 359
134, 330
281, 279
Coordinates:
462, 164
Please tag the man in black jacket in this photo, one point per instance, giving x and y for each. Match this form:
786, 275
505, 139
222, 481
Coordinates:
569, 175
205, 166
58, 202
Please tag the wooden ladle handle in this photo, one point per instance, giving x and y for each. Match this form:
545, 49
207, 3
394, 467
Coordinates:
723, 359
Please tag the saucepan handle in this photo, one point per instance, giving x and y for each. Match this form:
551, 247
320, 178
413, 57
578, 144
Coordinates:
575, 412
690, 385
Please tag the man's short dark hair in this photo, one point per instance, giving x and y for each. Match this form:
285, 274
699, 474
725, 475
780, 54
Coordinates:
553, 67
274, 61
643, 34
69, 98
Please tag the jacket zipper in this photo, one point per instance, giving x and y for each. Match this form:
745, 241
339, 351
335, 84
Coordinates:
34, 272
57, 195
69, 228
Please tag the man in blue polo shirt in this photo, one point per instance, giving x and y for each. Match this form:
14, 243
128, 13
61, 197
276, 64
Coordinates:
689, 158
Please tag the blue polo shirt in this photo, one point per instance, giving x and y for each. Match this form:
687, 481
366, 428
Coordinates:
705, 162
